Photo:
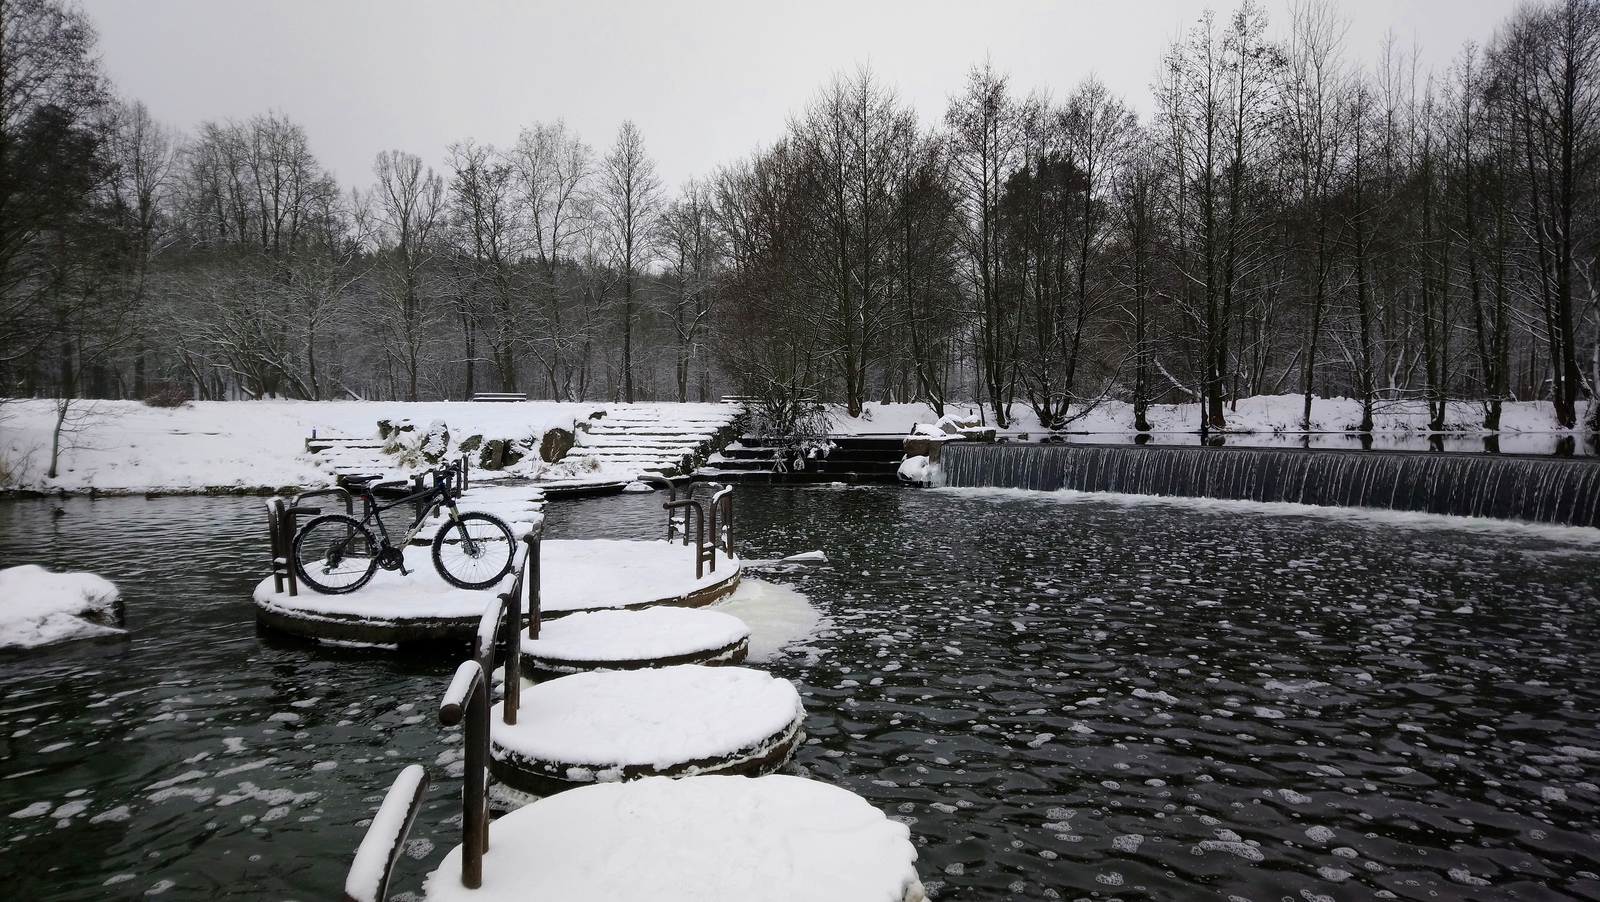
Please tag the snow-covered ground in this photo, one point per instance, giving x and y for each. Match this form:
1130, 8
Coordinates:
127, 447
38, 607
124, 446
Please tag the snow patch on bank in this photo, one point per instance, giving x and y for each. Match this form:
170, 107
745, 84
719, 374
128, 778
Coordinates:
38, 607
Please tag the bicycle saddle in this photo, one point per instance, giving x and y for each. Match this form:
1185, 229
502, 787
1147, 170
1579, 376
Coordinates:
361, 479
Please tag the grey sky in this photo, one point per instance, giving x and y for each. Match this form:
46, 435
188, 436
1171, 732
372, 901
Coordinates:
707, 82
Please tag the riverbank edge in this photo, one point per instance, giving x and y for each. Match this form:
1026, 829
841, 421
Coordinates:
263, 491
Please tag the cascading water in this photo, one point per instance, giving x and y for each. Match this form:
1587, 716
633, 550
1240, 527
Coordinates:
1550, 490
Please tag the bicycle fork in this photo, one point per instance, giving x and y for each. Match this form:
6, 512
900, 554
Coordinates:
467, 545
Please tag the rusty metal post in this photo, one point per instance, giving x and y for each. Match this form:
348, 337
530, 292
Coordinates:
699, 531
468, 698
286, 530
535, 571
274, 515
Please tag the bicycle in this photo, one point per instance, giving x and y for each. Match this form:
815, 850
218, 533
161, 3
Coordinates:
336, 554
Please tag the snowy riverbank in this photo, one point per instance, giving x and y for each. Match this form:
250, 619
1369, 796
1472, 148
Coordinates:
124, 447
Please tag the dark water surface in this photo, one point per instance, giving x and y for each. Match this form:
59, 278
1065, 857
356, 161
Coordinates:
1066, 697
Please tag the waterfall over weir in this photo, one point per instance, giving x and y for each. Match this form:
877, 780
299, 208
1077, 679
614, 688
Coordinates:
1544, 490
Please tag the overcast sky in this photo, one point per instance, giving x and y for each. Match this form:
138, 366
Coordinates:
707, 82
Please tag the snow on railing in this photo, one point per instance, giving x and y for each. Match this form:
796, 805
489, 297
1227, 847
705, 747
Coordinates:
368, 880
468, 699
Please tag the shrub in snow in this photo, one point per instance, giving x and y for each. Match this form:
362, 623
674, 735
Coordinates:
168, 394
38, 607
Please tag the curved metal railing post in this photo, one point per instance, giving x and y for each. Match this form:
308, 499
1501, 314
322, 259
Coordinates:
468, 699
662, 482
279, 548
699, 531
535, 577
721, 522
368, 880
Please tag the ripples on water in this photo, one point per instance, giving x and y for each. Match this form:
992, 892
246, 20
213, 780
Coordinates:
1063, 697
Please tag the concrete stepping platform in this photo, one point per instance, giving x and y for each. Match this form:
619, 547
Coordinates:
392, 609
603, 574
779, 838
577, 575
632, 640
615, 725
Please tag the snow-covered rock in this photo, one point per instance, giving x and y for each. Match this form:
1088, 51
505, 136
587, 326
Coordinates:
38, 607
775, 838
918, 470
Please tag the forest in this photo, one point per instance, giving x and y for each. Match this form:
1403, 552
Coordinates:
1284, 221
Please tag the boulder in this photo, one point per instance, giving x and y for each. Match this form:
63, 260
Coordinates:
555, 445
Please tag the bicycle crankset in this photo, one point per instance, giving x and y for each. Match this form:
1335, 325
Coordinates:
391, 559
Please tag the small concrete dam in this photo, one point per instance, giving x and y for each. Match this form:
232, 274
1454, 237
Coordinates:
1563, 491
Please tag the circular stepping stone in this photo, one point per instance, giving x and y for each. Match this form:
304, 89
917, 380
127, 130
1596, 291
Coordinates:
602, 574
629, 640
776, 838
615, 725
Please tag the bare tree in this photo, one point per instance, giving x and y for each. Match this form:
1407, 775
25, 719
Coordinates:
486, 229
690, 245
408, 205
630, 195
985, 150
554, 173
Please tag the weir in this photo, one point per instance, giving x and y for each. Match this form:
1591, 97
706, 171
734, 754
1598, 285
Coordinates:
1542, 490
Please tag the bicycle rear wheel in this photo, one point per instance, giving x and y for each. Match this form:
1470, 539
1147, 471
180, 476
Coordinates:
475, 551
335, 554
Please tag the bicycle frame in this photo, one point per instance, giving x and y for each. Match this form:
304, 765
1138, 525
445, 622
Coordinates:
438, 495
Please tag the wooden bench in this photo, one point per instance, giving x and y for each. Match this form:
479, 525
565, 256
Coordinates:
499, 396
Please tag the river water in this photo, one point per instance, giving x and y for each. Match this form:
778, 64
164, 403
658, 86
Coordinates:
1064, 696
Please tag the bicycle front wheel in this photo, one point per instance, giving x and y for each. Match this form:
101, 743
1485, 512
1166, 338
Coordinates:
335, 554
474, 552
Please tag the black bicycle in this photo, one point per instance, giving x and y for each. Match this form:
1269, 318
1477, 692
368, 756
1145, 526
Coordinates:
335, 553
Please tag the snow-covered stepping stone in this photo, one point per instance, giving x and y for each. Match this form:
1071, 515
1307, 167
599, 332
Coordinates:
775, 838
629, 640
393, 608
599, 574
615, 725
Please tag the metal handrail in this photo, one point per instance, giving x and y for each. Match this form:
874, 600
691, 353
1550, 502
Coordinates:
722, 519
467, 699
662, 482
500, 628
281, 527
368, 880
699, 533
